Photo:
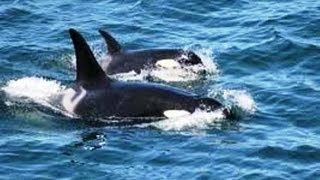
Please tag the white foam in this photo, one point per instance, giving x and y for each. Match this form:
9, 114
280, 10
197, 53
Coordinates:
240, 101
210, 65
198, 120
34, 89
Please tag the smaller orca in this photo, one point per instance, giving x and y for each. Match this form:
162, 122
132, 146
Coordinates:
125, 61
95, 95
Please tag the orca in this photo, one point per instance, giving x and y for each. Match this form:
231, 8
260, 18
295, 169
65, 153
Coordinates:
96, 95
120, 61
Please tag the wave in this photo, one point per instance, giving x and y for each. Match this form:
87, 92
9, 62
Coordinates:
240, 102
35, 90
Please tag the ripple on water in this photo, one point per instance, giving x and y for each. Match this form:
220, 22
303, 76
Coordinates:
266, 57
300, 154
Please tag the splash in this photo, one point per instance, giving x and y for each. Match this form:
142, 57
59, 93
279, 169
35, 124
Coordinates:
240, 102
34, 89
199, 120
208, 61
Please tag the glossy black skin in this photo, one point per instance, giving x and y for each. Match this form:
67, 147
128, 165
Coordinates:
122, 99
125, 61
106, 97
122, 62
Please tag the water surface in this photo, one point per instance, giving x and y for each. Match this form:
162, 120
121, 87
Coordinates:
265, 57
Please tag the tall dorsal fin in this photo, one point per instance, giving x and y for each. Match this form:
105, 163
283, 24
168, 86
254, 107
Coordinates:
113, 45
89, 72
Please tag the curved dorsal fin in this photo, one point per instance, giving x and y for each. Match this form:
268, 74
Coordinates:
89, 72
112, 43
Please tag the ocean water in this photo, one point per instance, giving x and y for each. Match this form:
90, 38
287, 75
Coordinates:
263, 57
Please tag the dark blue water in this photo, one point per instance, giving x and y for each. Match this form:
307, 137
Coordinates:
268, 49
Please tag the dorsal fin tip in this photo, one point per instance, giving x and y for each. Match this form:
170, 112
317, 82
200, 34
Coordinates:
89, 71
112, 43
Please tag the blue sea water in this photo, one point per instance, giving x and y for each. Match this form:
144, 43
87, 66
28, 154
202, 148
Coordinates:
266, 55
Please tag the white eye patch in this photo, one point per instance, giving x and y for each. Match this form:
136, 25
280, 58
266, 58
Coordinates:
167, 63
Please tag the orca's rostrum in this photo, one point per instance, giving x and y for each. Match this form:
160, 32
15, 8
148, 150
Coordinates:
94, 94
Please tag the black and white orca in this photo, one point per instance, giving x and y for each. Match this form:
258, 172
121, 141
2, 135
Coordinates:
94, 94
120, 61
